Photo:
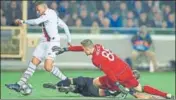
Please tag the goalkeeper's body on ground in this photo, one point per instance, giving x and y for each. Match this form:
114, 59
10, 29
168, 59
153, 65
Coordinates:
80, 85
85, 87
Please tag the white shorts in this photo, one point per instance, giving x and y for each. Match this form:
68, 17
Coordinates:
44, 50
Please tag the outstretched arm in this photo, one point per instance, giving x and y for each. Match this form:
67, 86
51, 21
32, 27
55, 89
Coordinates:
75, 48
36, 21
60, 50
62, 24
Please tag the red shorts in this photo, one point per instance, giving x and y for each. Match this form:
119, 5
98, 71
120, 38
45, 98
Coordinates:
126, 78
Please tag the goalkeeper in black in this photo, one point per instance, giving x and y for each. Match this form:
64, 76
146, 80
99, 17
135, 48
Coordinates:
85, 87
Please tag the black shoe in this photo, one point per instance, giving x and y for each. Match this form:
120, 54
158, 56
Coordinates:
15, 87
49, 85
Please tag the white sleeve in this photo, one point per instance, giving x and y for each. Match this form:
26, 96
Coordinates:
37, 21
62, 24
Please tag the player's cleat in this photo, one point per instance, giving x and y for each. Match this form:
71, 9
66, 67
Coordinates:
16, 87
49, 85
169, 96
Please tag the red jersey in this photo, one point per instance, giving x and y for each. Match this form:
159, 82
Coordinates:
106, 61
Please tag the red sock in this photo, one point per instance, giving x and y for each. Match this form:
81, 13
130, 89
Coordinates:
151, 90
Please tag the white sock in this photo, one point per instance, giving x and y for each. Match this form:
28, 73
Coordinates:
27, 74
151, 67
168, 95
56, 72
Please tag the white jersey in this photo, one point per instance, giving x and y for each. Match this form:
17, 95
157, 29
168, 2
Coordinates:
50, 23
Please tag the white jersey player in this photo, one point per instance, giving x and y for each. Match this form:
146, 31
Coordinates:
43, 52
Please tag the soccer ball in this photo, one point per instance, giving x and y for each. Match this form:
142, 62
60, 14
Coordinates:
26, 89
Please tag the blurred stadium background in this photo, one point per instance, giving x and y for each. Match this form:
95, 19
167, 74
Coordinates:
111, 23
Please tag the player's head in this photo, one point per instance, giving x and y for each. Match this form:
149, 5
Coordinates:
88, 46
143, 30
41, 7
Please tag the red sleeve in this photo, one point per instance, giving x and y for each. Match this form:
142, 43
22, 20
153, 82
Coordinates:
107, 70
75, 48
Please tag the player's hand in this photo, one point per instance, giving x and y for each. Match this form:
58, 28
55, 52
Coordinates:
146, 44
69, 44
18, 22
65, 82
122, 88
59, 50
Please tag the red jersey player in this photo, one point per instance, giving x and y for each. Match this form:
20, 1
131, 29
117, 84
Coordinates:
118, 74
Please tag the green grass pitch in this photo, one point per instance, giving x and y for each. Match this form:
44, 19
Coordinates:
164, 81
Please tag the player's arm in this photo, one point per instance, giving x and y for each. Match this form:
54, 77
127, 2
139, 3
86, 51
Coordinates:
60, 50
62, 24
75, 48
133, 39
148, 40
36, 21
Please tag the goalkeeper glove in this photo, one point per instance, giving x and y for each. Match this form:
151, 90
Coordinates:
122, 88
59, 50
65, 82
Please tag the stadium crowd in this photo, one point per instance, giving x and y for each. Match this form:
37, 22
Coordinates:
105, 14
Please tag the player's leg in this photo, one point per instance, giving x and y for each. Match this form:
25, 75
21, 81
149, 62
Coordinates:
99, 84
134, 57
136, 89
140, 95
104, 83
135, 86
129, 81
151, 56
108, 88
154, 91
36, 60
147, 89
29, 71
49, 61
102, 93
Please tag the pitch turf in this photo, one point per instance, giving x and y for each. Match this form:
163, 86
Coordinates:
162, 80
